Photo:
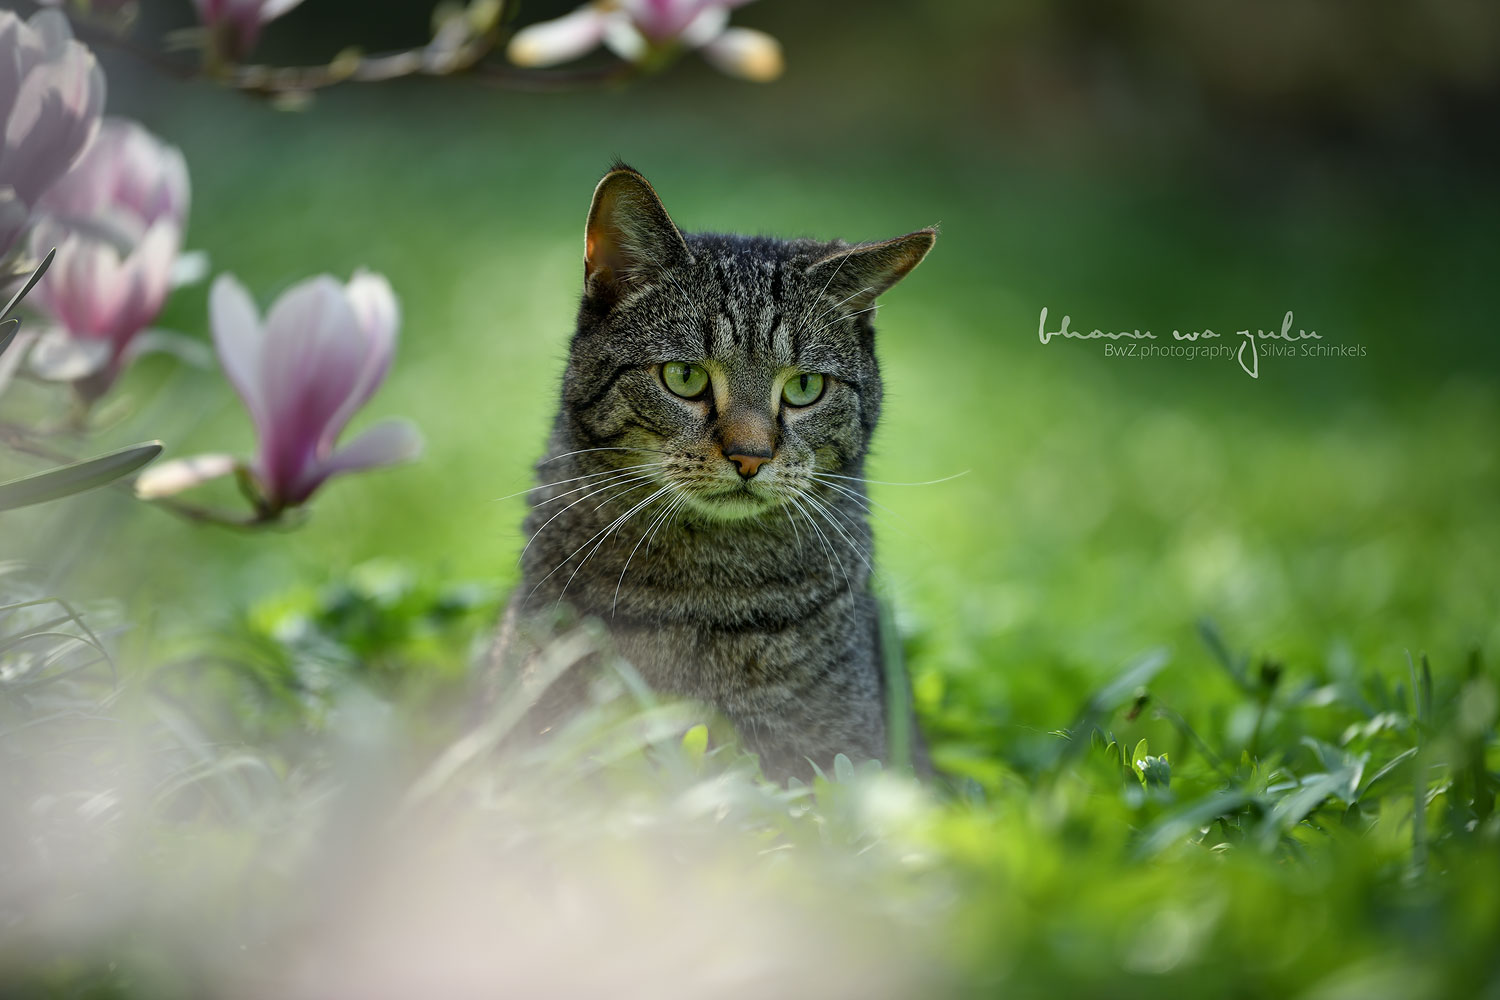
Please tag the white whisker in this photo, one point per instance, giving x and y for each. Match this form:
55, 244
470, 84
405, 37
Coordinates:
814, 304
585, 451
830, 514
575, 479
603, 535
560, 513
678, 503
796, 532
695, 303
883, 482
837, 320
852, 494
622, 474
825, 312
894, 520
828, 546
644, 535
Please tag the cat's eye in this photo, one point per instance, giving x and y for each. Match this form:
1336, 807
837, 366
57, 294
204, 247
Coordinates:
802, 389
686, 380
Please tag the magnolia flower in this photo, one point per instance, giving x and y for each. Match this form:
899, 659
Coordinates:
100, 299
127, 180
662, 20
236, 24
319, 356
636, 29
116, 220
51, 96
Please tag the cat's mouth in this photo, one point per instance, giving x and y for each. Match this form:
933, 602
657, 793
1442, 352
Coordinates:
742, 500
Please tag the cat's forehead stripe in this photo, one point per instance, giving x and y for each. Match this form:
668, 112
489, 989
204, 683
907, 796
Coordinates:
723, 342
749, 315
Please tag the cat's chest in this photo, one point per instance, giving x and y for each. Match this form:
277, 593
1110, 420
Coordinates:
746, 616
754, 665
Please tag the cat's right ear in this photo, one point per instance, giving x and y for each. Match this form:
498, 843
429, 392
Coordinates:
629, 237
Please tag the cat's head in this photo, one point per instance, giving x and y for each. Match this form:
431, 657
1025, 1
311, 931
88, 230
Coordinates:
736, 369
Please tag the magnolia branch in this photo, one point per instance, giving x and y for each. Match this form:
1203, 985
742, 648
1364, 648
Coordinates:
455, 51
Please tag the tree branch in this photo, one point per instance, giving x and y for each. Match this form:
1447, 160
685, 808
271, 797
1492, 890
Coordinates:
435, 59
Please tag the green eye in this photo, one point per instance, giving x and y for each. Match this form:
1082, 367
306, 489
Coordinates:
803, 389
687, 381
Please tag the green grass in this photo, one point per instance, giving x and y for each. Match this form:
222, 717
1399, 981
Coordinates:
1329, 519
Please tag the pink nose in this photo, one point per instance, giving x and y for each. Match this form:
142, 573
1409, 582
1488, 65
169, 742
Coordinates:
748, 465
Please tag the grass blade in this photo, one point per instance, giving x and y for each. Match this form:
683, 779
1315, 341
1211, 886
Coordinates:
66, 480
36, 276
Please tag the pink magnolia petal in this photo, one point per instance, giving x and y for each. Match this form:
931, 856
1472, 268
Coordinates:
126, 174
272, 9
97, 294
14, 354
14, 216
312, 363
746, 53
185, 348
83, 191
44, 38
560, 40
52, 31
625, 40
146, 276
238, 340
661, 20
42, 135
323, 350
17, 43
387, 443
170, 478
84, 285
708, 25
374, 303
54, 94
59, 357
150, 269
172, 193
314, 352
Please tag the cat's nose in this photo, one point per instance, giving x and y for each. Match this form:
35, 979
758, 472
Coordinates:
748, 462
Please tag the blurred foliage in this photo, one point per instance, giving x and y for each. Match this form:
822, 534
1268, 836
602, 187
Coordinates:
1345, 844
274, 673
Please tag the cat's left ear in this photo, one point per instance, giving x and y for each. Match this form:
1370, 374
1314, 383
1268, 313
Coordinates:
860, 274
629, 236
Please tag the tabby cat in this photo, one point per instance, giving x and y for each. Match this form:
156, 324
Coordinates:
702, 491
